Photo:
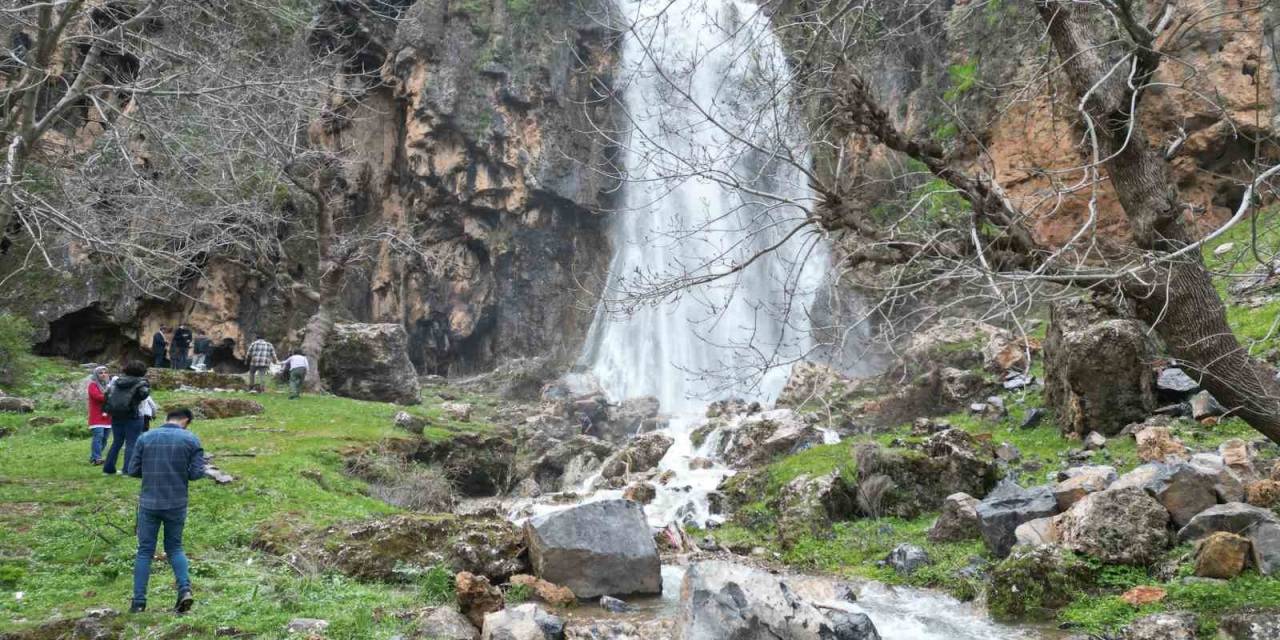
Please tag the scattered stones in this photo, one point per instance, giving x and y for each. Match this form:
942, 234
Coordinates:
1162, 626
306, 625
642, 453
1095, 441
1204, 405
1038, 532
1009, 506
906, 558
409, 422
1032, 418
525, 622
1158, 444
1174, 384
445, 623
1117, 526
1222, 555
1183, 489
11, 404
595, 549
641, 492
1083, 481
552, 594
1144, 595
614, 605
1262, 493
1232, 517
370, 362
477, 598
957, 521
460, 411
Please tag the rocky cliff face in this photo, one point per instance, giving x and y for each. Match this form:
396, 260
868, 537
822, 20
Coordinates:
471, 147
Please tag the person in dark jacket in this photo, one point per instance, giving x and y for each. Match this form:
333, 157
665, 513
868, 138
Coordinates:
182, 347
167, 459
123, 397
158, 347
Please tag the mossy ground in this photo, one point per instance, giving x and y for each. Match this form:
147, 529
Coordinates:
66, 530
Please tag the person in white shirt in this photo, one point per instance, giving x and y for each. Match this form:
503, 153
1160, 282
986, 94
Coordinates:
147, 411
296, 365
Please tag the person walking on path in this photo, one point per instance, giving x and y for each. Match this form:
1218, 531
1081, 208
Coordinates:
202, 346
158, 347
182, 347
296, 365
261, 356
124, 397
167, 459
99, 421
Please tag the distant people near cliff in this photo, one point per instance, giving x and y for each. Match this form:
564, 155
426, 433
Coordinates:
261, 355
99, 421
159, 347
182, 347
296, 366
202, 348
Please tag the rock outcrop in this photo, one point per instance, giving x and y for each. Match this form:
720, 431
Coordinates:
370, 362
1003, 510
1117, 526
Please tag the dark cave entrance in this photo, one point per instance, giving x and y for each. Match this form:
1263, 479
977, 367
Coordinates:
89, 335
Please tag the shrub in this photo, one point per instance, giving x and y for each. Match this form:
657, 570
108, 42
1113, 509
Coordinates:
403, 483
15, 346
1033, 583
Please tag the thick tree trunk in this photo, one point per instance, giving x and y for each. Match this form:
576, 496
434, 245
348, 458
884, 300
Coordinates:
320, 324
1176, 297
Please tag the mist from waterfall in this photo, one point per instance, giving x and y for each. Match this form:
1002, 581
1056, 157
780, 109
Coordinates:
712, 179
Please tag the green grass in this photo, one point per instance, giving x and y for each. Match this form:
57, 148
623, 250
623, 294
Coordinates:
1256, 326
66, 536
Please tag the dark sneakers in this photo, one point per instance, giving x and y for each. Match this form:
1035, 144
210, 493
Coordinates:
137, 607
185, 600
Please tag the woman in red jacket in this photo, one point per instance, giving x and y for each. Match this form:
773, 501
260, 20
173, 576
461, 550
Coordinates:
99, 422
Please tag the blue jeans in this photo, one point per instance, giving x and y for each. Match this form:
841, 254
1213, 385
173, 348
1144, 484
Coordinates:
124, 432
149, 522
99, 442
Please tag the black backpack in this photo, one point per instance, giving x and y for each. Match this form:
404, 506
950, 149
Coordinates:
123, 402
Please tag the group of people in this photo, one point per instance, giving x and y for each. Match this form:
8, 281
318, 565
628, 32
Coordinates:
166, 459
262, 356
177, 351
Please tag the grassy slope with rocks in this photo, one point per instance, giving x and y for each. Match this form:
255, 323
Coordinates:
856, 548
66, 541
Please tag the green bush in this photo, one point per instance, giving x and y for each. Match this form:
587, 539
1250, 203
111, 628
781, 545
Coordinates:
1032, 584
15, 347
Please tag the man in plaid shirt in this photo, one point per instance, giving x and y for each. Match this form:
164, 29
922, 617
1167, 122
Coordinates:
261, 356
166, 459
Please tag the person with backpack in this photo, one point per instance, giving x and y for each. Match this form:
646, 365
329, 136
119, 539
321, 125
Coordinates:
124, 397
167, 459
99, 421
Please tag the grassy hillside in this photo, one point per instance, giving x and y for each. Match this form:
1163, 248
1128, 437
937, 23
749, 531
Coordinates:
66, 530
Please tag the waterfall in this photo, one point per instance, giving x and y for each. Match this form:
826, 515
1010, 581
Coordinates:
713, 178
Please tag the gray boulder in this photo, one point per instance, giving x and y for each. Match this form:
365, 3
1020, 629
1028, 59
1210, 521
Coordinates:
1204, 405
525, 622
1162, 626
1117, 526
445, 623
596, 549
1232, 517
906, 558
957, 521
721, 600
1264, 539
1174, 384
1183, 489
1251, 625
11, 404
1000, 513
1082, 482
370, 362
1226, 484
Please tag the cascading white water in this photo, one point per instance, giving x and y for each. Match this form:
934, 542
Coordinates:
714, 185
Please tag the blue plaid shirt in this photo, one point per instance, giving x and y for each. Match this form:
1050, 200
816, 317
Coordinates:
166, 459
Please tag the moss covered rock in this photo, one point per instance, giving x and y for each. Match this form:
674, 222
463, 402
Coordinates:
1034, 582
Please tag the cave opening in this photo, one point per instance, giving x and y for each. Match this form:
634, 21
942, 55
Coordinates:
89, 335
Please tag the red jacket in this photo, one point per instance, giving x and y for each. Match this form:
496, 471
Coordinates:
96, 416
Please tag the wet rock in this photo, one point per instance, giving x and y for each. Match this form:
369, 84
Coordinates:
658, 629
1174, 384
1083, 481
614, 605
642, 453
641, 492
1097, 373
562, 465
957, 521
1183, 489
477, 597
1162, 626
1264, 540
1038, 532
698, 464
460, 411
906, 558
11, 404
445, 623
1117, 526
624, 420
1251, 625
1033, 582
409, 422
595, 549
1222, 555
1262, 493
370, 362
525, 622
722, 600
552, 594
1204, 405
1000, 513
306, 625
1158, 444
1232, 517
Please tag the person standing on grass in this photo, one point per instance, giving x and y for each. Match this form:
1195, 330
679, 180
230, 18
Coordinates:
99, 421
124, 397
261, 356
167, 459
147, 411
158, 347
296, 365
182, 347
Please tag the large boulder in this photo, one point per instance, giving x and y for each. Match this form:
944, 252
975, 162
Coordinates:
957, 521
11, 404
758, 438
1222, 555
905, 482
1264, 540
1097, 368
723, 600
1033, 582
810, 504
1000, 513
596, 549
1183, 489
370, 362
642, 453
1226, 484
1117, 526
1232, 517
525, 622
